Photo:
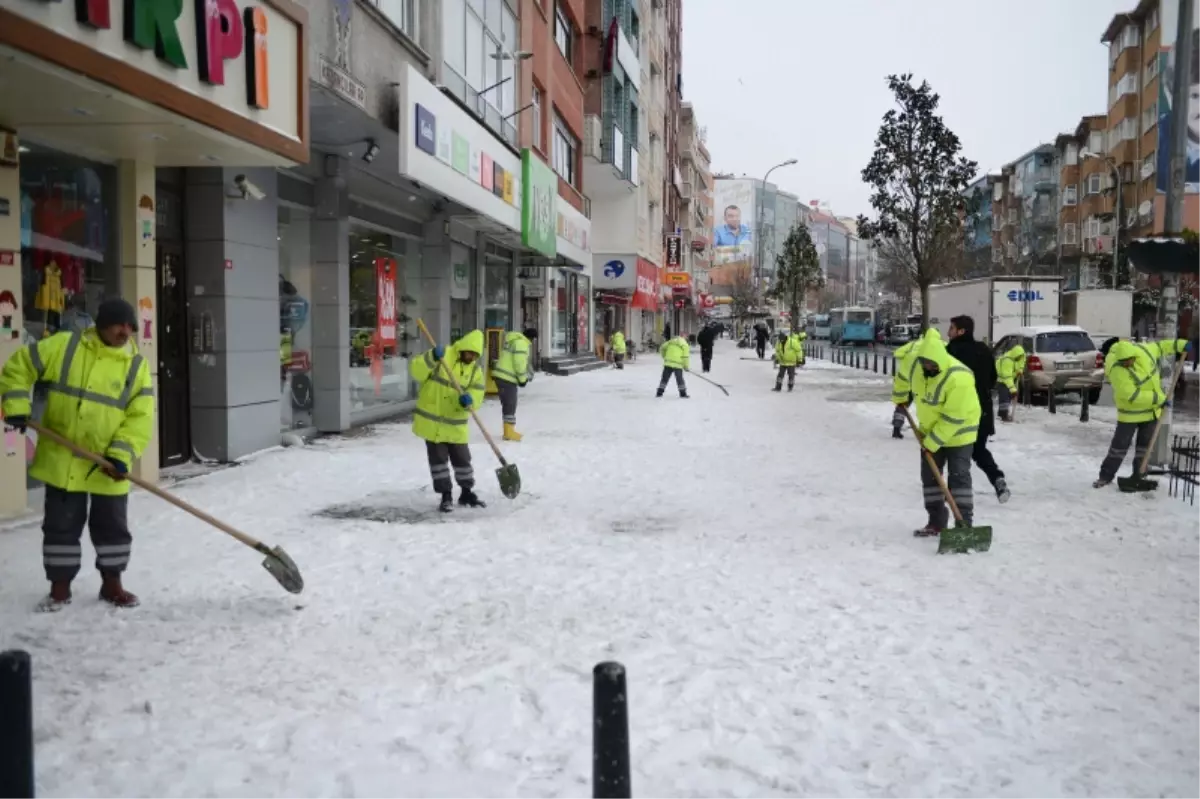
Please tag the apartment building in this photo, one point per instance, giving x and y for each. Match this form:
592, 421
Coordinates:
696, 199
977, 233
1024, 218
1085, 205
682, 293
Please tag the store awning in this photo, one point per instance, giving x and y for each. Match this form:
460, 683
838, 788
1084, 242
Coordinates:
1157, 255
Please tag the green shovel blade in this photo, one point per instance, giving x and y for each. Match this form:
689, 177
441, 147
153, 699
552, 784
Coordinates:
962, 539
1136, 485
510, 480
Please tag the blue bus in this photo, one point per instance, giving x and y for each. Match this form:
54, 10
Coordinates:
817, 326
852, 325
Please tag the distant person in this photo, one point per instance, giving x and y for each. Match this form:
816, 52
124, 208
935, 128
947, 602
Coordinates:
676, 355
761, 335
705, 339
618, 349
733, 233
976, 356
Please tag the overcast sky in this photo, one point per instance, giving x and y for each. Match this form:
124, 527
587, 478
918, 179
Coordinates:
804, 79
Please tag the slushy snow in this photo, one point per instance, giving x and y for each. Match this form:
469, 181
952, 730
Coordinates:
748, 558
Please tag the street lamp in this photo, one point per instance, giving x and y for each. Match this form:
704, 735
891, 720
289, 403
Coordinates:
1116, 211
519, 56
758, 227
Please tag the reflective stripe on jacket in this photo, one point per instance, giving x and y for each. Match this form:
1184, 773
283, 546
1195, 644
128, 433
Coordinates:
439, 417
905, 358
676, 353
1137, 388
99, 397
1010, 366
513, 364
948, 409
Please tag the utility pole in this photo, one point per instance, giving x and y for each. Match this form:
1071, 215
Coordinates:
1168, 327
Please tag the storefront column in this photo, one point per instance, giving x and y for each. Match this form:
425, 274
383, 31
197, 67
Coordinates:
331, 299
139, 279
12, 464
436, 274
233, 277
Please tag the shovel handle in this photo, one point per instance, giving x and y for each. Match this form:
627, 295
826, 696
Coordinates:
933, 467
458, 387
1158, 422
145, 485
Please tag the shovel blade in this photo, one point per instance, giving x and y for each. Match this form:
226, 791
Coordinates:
1135, 485
284, 569
962, 539
510, 480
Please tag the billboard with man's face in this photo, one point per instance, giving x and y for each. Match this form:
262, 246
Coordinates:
733, 236
1166, 114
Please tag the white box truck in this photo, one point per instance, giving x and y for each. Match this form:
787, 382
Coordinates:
999, 305
1103, 313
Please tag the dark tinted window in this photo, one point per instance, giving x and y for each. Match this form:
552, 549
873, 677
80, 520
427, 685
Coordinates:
1065, 341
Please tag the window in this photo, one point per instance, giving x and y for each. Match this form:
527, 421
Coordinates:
1095, 183
1128, 84
633, 124
634, 34
454, 38
997, 192
1152, 23
1074, 341
1072, 154
402, 14
1127, 129
566, 152
1151, 70
1149, 163
1091, 228
1070, 195
476, 77
1012, 216
564, 33
1069, 234
536, 117
1096, 142
1150, 117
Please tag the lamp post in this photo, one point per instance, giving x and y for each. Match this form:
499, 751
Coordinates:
758, 228
1116, 213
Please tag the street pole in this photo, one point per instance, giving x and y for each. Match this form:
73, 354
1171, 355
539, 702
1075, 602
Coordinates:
1169, 308
1116, 263
758, 248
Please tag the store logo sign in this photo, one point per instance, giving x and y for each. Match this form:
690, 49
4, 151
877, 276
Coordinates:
223, 34
539, 187
426, 130
615, 269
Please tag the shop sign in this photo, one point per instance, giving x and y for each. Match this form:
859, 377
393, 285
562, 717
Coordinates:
460, 281
645, 295
674, 251
614, 271
677, 279
538, 205
444, 148
573, 230
343, 84
385, 301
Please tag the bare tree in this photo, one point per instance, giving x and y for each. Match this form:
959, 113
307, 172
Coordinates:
742, 293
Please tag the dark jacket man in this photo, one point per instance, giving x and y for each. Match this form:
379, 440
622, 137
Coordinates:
705, 339
977, 356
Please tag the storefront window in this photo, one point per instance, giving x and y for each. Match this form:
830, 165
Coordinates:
582, 313
497, 291
295, 321
69, 257
382, 331
562, 296
462, 291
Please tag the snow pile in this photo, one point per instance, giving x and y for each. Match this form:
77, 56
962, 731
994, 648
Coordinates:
748, 558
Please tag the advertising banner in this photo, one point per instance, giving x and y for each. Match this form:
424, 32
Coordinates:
645, 293
385, 302
1166, 65
733, 238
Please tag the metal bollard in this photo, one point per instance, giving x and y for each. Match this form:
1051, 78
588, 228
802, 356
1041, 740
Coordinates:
610, 733
1085, 405
16, 724
875, 368
1051, 403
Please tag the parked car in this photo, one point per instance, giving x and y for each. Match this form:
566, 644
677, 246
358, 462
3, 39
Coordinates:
902, 334
1058, 358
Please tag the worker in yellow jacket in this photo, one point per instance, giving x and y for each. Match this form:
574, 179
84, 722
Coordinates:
948, 413
789, 350
442, 415
1132, 367
99, 396
511, 373
618, 349
903, 361
677, 356
1009, 368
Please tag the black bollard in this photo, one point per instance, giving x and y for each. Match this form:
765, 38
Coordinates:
610, 733
875, 368
1084, 405
16, 724
856, 359
1050, 401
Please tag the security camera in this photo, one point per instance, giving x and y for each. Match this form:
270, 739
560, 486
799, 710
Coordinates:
248, 190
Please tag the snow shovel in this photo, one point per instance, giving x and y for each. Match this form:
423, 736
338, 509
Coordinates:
507, 474
277, 562
713, 382
961, 538
1138, 482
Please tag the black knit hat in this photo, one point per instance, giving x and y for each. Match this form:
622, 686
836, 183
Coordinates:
115, 311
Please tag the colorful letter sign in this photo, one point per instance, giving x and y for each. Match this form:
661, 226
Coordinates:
539, 186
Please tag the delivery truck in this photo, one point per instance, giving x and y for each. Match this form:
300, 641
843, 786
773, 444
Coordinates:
999, 305
1103, 313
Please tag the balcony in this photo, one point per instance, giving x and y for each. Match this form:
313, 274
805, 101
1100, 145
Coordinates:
686, 191
610, 162
687, 151
1043, 179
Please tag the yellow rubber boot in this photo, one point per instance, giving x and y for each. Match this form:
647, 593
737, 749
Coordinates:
510, 432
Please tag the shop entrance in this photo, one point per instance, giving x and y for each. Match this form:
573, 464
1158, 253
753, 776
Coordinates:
174, 422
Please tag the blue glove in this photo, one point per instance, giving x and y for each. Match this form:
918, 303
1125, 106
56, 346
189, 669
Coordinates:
1188, 347
438, 353
118, 467
17, 423
466, 400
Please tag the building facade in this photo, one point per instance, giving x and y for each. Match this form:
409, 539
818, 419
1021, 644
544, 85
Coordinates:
378, 144
696, 198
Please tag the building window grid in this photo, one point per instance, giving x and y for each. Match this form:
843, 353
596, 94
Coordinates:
535, 113
1070, 195
565, 155
564, 32
1069, 233
402, 14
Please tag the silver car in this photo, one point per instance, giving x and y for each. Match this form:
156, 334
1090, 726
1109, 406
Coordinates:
1061, 358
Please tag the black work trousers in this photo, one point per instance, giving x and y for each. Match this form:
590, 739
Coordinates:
66, 513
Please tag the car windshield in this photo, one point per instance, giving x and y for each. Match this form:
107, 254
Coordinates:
1065, 341
858, 316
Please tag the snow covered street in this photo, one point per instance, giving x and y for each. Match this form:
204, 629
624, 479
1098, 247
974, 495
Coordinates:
748, 558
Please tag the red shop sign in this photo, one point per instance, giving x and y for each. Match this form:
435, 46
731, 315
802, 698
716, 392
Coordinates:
385, 302
645, 294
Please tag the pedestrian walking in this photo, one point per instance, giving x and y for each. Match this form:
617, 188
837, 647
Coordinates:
618, 349
977, 357
676, 355
442, 414
705, 339
1133, 370
948, 421
788, 352
100, 397
1009, 368
761, 335
511, 373
905, 361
